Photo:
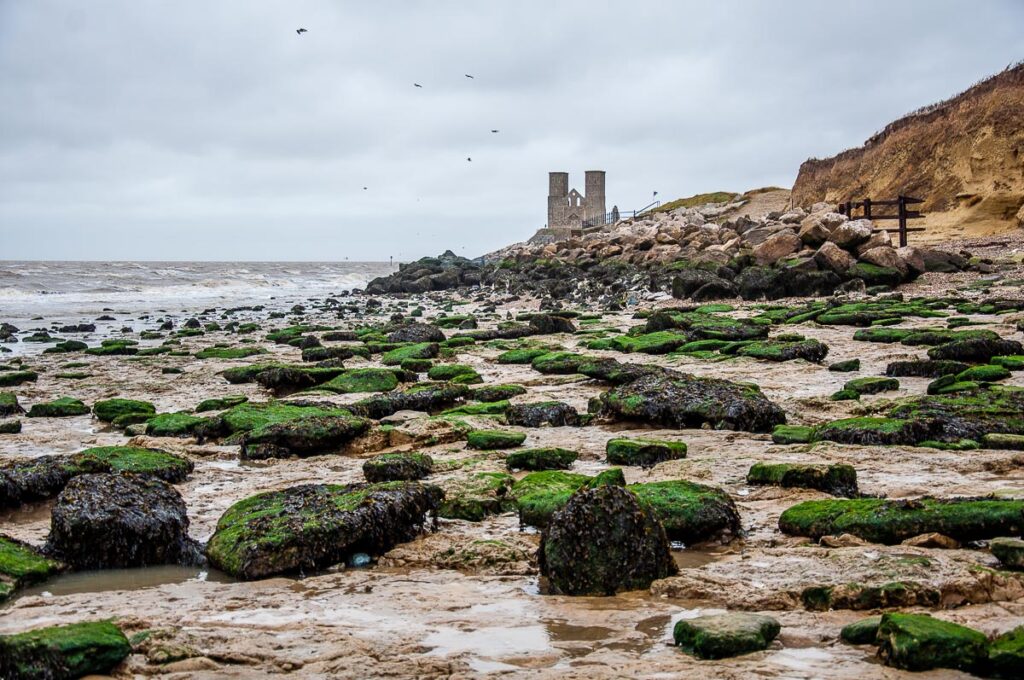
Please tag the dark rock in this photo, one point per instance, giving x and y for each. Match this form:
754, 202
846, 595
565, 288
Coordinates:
314, 435
719, 636
63, 652
547, 324
392, 467
554, 413
417, 332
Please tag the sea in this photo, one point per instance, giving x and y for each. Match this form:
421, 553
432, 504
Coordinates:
78, 292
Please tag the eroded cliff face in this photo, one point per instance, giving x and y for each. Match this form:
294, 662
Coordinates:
964, 156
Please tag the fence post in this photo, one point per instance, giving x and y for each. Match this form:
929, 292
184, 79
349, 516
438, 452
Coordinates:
867, 208
902, 204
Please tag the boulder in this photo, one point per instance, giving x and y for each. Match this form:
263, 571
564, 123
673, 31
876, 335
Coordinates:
849, 235
551, 458
643, 452
1009, 552
885, 256
393, 467
831, 257
913, 259
9, 405
813, 233
417, 332
110, 521
719, 636
309, 436
838, 479
877, 240
313, 526
603, 542
777, 246
553, 413
942, 261
919, 642
546, 324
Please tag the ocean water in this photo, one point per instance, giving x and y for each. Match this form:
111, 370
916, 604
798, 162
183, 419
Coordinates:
68, 291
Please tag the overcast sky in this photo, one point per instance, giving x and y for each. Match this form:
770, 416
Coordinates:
210, 130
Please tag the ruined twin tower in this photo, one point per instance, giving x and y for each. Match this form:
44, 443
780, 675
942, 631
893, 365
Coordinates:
572, 211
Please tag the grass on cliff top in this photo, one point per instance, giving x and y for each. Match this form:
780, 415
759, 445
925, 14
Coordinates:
697, 199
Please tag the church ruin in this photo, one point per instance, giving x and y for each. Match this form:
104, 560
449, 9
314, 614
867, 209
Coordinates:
569, 211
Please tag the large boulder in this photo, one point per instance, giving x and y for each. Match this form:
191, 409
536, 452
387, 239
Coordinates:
918, 642
832, 257
546, 324
109, 521
553, 413
313, 526
681, 400
851, 234
603, 542
885, 256
310, 436
813, 232
776, 247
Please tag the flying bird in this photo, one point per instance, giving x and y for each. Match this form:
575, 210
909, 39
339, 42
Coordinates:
469, 76
300, 31
416, 85
494, 131
469, 159
364, 188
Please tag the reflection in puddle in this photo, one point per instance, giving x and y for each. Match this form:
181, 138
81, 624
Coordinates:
25, 514
488, 642
696, 558
123, 579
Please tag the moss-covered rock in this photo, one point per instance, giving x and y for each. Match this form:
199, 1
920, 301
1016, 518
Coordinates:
719, 636
466, 374
861, 632
522, 355
975, 350
792, 434
488, 440
66, 346
496, 392
643, 452
1006, 654
1013, 442
9, 405
968, 414
108, 410
603, 542
681, 400
489, 408
429, 397
136, 460
872, 385
147, 525
10, 426
419, 350
63, 652
882, 334
13, 378
305, 436
229, 352
22, 565
874, 431
690, 512
416, 365
553, 413
180, 424
846, 366
551, 458
220, 403
924, 368
892, 521
918, 642
58, 408
539, 495
984, 373
774, 350
1013, 363
476, 497
659, 342
837, 479
313, 526
114, 348
559, 363
391, 467
43, 477
1009, 552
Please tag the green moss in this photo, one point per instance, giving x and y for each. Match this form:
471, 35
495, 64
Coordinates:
775, 350
696, 200
1006, 654
66, 346
109, 409
1012, 362
845, 395
229, 352
882, 334
487, 408
419, 350
180, 424
114, 348
10, 426
252, 415
452, 371
58, 408
890, 522
995, 440
659, 342
166, 466
487, 440
690, 512
22, 565
539, 495
918, 642
985, 373
847, 366
390, 467
362, 380
523, 355
541, 459
792, 434
720, 636
68, 651
559, 363
643, 452
416, 365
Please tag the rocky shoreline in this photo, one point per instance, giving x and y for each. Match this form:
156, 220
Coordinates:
423, 478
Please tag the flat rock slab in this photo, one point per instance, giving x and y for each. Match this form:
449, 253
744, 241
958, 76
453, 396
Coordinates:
718, 636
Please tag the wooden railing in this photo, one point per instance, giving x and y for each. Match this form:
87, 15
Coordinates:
902, 214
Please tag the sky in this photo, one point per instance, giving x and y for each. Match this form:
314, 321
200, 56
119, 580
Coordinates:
198, 130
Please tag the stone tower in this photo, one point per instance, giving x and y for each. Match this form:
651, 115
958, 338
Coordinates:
593, 197
571, 210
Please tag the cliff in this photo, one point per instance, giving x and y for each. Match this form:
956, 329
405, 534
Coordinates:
964, 156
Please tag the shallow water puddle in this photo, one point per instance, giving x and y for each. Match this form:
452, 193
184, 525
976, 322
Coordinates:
123, 579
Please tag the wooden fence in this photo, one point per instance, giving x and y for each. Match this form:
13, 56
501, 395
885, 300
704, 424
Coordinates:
902, 214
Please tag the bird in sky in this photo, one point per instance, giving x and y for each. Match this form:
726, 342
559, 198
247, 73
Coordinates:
300, 31
416, 85
469, 159
469, 76
494, 131
364, 188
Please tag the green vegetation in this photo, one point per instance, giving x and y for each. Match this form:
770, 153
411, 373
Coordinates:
69, 651
792, 434
166, 466
220, 403
419, 350
391, 467
496, 392
487, 440
13, 378
58, 408
22, 565
362, 380
539, 495
918, 642
541, 459
643, 452
180, 424
719, 636
482, 494
697, 200
523, 355
229, 352
486, 408
690, 512
109, 410
838, 479
559, 363
872, 385
861, 632
453, 372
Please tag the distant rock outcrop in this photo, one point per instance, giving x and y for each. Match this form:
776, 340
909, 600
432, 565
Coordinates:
963, 156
